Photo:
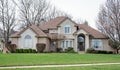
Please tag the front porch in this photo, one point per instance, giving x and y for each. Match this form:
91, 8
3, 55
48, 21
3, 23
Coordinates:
81, 41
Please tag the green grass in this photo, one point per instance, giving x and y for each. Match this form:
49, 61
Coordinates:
106, 67
55, 58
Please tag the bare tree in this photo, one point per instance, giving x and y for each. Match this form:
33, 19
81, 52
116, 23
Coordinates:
34, 11
109, 20
53, 12
7, 18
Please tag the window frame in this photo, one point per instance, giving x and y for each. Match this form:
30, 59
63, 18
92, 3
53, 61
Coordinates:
67, 29
96, 44
67, 43
27, 41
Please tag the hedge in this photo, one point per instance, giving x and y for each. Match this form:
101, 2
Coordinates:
91, 50
25, 51
69, 50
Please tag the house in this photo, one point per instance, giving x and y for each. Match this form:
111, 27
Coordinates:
61, 32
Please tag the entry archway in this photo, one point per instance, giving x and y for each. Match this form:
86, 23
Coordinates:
81, 42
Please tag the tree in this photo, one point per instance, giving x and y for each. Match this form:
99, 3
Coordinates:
114, 45
31, 11
34, 11
109, 20
7, 18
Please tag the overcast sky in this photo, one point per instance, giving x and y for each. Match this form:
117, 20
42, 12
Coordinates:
80, 9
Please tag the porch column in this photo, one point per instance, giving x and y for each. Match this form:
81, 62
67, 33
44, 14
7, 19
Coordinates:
86, 42
75, 44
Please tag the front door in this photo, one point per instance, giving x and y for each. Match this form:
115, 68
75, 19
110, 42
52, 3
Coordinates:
81, 46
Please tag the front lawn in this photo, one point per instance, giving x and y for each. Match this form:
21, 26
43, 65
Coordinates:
106, 67
55, 58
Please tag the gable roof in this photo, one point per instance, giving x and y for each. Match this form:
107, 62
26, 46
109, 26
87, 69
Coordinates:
91, 31
54, 23
34, 28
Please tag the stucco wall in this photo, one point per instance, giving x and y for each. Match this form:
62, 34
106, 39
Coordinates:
106, 45
21, 41
73, 29
45, 41
15, 41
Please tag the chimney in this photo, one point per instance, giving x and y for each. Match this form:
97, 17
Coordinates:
86, 23
42, 22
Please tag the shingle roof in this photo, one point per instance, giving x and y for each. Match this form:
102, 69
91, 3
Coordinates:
34, 28
91, 31
56, 36
53, 23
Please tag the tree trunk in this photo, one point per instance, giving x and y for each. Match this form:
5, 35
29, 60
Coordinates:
117, 51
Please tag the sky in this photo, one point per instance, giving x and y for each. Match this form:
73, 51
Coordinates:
80, 9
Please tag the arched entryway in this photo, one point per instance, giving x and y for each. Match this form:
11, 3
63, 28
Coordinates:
81, 42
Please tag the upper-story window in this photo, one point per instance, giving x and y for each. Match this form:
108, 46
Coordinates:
67, 29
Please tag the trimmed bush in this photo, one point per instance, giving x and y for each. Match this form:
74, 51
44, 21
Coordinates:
90, 50
110, 52
25, 51
69, 50
40, 47
59, 49
11, 47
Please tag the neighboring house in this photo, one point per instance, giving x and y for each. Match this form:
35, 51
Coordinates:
61, 32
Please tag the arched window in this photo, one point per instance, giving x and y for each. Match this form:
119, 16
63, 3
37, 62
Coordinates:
28, 41
80, 39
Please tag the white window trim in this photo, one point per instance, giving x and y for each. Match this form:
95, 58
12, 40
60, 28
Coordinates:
99, 47
69, 29
70, 44
30, 44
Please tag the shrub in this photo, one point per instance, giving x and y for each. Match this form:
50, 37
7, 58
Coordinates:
40, 47
110, 52
59, 49
25, 51
90, 50
69, 50
102, 52
11, 47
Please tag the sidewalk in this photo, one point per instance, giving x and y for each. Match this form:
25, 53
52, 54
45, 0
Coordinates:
68, 65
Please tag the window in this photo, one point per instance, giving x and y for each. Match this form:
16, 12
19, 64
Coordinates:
71, 44
67, 43
80, 39
28, 41
67, 29
96, 43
